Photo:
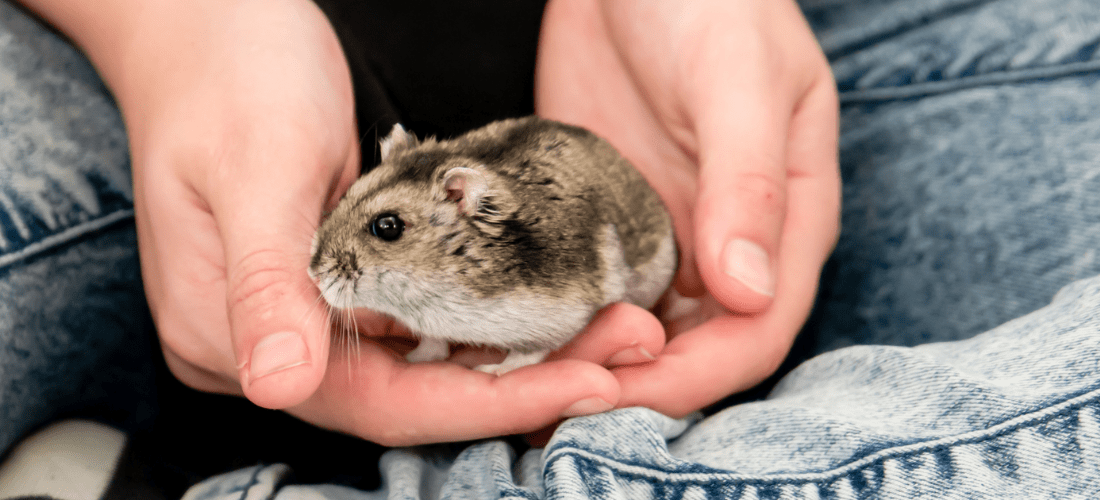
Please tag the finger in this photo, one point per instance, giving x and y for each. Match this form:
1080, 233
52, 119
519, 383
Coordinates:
742, 200
722, 357
733, 353
197, 378
394, 403
183, 274
279, 326
744, 123
279, 330
620, 334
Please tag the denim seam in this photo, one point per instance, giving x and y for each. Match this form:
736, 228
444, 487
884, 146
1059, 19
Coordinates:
64, 237
865, 40
1013, 424
252, 482
940, 87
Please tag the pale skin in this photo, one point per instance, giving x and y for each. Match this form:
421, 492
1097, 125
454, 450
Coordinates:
729, 109
242, 131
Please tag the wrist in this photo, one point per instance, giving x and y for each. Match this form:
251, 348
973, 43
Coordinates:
131, 42
105, 30
92, 25
123, 38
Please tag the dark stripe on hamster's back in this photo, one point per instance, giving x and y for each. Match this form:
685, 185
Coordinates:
494, 151
528, 133
517, 139
420, 166
511, 153
529, 255
535, 255
570, 130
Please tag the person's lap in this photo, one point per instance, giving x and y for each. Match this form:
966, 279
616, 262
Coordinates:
73, 320
968, 159
967, 155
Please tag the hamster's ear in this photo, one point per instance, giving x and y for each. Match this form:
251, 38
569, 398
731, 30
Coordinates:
398, 140
467, 187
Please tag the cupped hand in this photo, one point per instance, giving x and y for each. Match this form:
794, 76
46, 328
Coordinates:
242, 130
729, 109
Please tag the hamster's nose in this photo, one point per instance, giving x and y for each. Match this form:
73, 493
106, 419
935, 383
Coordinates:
346, 262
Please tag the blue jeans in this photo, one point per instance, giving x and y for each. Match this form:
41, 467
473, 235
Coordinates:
948, 363
74, 326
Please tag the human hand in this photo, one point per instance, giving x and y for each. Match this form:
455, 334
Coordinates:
242, 132
729, 109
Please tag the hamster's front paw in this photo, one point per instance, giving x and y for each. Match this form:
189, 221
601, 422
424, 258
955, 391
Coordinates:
429, 350
512, 361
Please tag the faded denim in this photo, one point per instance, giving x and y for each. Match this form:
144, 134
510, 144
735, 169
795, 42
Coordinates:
970, 151
73, 320
1011, 413
948, 363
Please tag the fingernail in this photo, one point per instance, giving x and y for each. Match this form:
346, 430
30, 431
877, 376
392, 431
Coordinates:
278, 352
588, 406
630, 356
746, 262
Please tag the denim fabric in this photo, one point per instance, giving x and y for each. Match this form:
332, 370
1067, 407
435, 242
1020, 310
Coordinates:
969, 151
72, 311
1011, 413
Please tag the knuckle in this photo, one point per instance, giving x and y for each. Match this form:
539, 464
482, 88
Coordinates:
257, 283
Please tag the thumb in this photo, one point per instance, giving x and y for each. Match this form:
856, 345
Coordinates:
279, 324
742, 201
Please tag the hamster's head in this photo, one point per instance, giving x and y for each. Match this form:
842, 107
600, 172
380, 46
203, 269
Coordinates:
401, 242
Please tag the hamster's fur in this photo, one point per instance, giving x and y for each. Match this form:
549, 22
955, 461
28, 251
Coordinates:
510, 236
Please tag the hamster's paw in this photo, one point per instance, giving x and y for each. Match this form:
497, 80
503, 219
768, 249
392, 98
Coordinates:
512, 361
429, 350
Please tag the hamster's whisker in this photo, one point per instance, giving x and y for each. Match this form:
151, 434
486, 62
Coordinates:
336, 318
313, 309
353, 335
338, 330
345, 341
341, 318
348, 332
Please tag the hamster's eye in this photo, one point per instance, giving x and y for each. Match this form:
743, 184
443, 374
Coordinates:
388, 227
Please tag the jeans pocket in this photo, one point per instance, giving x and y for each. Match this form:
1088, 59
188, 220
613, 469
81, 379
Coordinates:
64, 162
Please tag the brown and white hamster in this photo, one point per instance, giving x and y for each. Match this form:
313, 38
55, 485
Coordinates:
510, 236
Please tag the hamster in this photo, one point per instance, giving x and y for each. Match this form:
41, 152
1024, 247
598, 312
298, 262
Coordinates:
511, 236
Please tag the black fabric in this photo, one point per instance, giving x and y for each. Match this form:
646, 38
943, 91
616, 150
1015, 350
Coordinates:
197, 435
437, 67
